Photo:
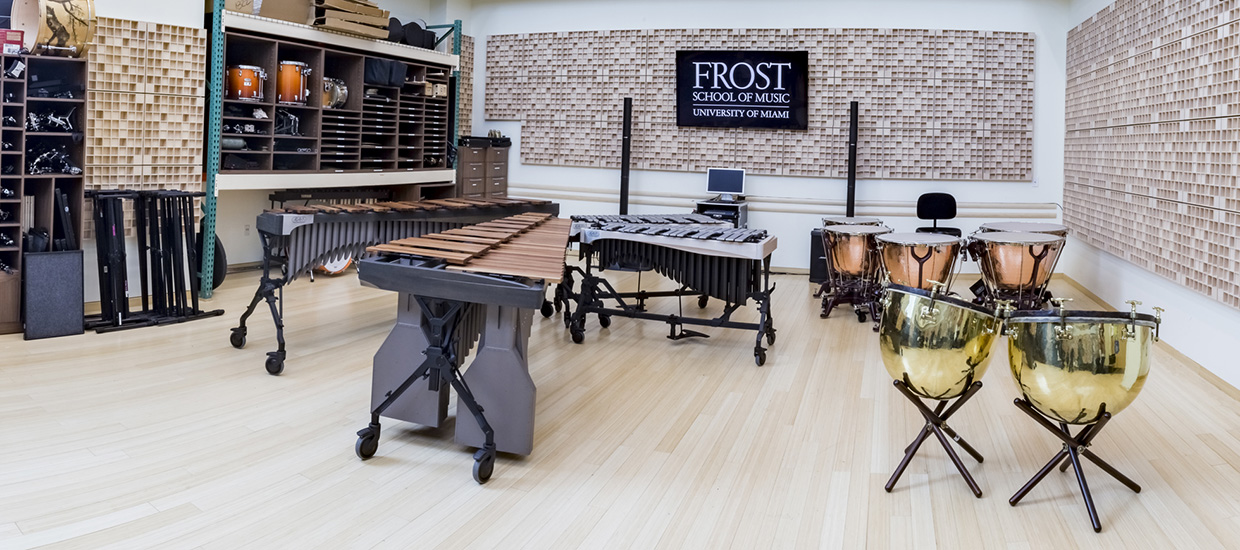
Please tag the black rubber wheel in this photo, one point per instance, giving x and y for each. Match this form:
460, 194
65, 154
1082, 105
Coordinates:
578, 335
547, 310
275, 365
759, 357
237, 339
604, 321
860, 316
484, 465
702, 301
367, 444
770, 337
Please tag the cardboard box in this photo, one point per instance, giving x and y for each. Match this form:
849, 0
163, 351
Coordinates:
296, 11
12, 41
441, 90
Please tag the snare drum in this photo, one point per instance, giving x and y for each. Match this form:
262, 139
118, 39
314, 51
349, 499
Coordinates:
828, 221
1074, 365
1025, 227
335, 93
915, 259
245, 82
936, 344
292, 83
1016, 266
852, 249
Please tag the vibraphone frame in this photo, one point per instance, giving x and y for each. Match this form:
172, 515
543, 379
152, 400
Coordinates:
317, 238
740, 280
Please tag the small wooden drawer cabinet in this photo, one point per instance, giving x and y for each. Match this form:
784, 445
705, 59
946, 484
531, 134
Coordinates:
482, 172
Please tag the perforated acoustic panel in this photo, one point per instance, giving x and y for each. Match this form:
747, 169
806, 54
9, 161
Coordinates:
935, 104
1153, 139
466, 87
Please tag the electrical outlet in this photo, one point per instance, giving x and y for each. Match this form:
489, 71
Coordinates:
247, 230
1035, 184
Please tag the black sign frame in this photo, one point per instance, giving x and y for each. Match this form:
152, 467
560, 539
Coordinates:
742, 89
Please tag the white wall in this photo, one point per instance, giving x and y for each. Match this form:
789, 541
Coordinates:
186, 13
1046, 19
1200, 327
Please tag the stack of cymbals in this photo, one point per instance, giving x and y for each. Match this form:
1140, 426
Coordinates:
359, 17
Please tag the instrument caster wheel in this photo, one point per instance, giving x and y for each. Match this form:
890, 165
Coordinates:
770, 337
759, 357
484, 464
860, 316
702, 301
367, 443
579, 335
275, 364
547, 310
604, 321
237, 339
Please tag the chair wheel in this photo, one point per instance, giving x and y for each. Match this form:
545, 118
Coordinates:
547, 309
484, 465
702, 301
237, 339
604, 321
275, 364
770, 337
579, 335
367, 443
759, 357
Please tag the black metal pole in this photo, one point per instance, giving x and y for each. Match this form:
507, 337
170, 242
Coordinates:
852, 159
626, 140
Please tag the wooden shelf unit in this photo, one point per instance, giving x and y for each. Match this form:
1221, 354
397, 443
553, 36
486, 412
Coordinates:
31, 201
378, 129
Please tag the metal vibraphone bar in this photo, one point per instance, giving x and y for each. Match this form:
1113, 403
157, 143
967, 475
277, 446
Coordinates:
707, 261
296, 241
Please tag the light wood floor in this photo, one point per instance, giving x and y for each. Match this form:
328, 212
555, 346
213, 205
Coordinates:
167, 437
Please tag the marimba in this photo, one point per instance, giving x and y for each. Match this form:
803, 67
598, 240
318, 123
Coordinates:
732, 265
299, 238
477, 283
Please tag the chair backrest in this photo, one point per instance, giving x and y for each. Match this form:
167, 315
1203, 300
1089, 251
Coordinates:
936, 206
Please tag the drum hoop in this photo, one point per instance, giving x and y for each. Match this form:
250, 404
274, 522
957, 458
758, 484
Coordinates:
1082, 316
289, 62
247, 67
865, 230
1044, 227
941, 298
888, 238
1037, 241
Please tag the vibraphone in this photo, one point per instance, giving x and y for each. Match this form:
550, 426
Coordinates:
732, 265
481, 281
299, 238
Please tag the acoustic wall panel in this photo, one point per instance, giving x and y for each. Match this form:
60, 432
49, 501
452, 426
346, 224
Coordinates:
1153, 139
935, 104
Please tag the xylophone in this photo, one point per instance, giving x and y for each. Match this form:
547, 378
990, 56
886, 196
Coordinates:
299, 238
456, 286
732, 265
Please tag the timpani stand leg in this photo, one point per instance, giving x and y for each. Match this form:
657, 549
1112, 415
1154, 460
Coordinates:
499, 378
1074, 447
936, 423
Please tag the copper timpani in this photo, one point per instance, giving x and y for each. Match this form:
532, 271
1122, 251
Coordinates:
917, 259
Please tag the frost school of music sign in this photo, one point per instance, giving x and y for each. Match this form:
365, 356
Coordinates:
742, 89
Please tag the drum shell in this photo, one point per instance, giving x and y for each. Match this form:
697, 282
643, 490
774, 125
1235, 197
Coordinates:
1010, 265
852, 254
292, 83
1071, 379
1025, 227
74, 21
900, 261
244, 82
335, 93
938, 346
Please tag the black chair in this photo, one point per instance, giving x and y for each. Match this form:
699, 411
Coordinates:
937, 206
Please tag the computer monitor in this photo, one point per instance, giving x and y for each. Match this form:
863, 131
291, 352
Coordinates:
728, 182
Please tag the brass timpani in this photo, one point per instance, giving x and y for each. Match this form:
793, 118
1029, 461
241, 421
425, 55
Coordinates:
479, 283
